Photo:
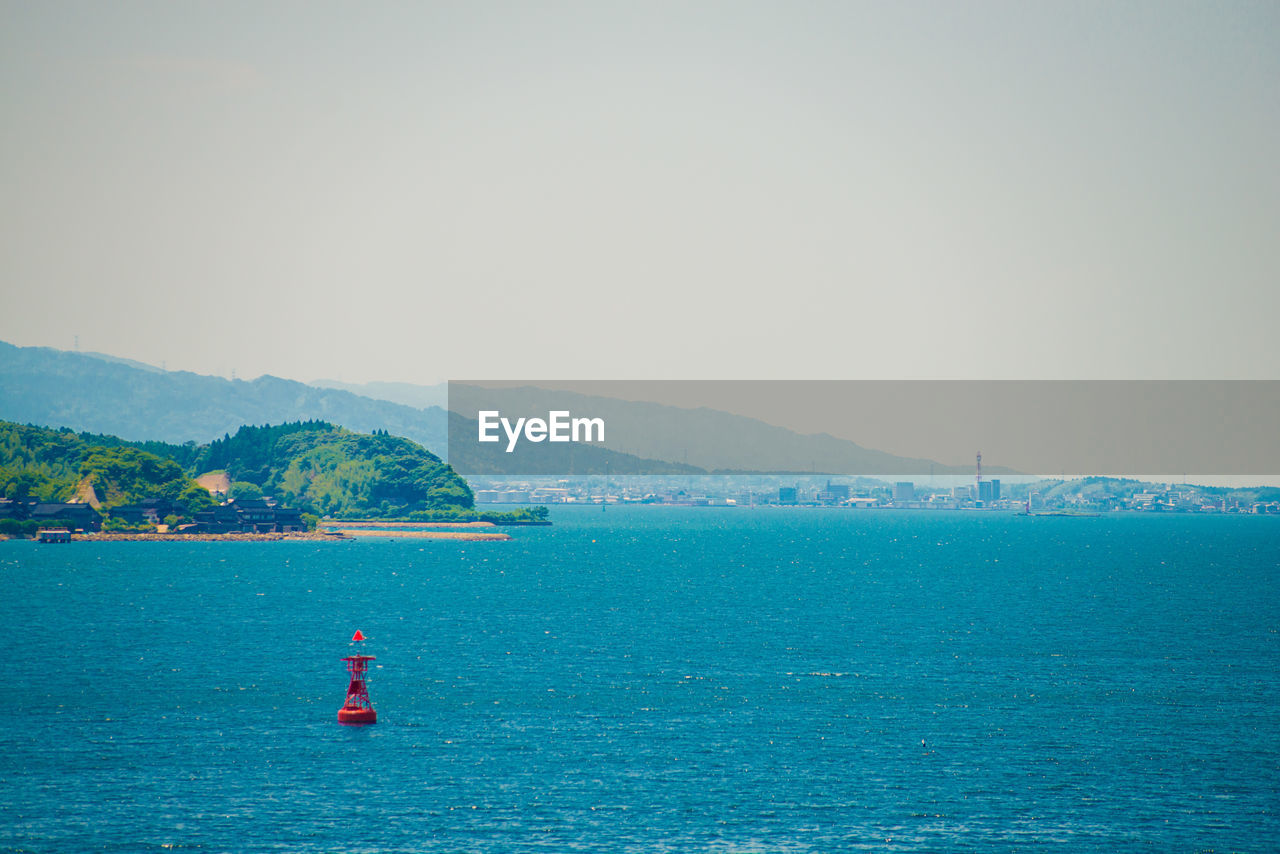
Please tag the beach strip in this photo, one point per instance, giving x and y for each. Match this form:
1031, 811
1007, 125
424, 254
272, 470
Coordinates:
423, 535
374, 523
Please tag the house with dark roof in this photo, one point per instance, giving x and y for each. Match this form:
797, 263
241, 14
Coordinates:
149, 510
77, 517
250, 516
222, 519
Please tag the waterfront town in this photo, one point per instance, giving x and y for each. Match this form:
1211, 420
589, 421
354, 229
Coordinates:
1079, 495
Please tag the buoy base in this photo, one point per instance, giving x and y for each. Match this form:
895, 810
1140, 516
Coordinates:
357, 716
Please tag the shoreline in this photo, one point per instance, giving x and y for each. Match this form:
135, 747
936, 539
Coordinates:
374, 523
474, 536
124, 536
308, 536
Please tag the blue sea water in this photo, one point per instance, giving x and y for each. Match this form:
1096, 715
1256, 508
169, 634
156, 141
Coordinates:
656, 679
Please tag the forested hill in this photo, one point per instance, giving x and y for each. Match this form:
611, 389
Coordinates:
312, 465
330, 470
40, 385
46, 465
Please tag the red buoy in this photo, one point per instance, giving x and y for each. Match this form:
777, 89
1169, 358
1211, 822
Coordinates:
357, 709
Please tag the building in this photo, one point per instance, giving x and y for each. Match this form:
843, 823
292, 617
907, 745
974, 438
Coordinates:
904, 490
77, 517
53, 535
150, 510
249, 516
222, 519
257, 515
988, 491
289, 519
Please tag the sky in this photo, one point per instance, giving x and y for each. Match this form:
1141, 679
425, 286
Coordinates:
425, 191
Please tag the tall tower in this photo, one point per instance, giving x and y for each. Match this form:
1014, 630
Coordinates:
357, 709
977, 483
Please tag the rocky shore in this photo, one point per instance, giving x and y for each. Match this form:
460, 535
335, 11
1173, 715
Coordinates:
322, 536
118, 536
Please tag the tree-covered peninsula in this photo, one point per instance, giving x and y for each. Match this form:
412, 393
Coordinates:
313, 466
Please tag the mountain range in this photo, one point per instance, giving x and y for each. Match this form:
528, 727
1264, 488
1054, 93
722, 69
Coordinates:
105, 394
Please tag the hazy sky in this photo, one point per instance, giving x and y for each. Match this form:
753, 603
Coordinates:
423, 191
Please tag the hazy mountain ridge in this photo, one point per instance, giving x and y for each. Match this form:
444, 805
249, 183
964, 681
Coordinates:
109, 395
405, 394
704, 438
40, 385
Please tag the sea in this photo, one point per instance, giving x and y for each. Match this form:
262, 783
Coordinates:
655, 679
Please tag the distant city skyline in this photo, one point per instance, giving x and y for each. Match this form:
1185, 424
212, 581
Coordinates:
423, 192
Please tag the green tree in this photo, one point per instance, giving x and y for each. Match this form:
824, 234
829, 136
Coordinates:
244, 489
196, 498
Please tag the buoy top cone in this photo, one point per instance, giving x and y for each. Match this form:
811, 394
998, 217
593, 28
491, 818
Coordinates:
357, 636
